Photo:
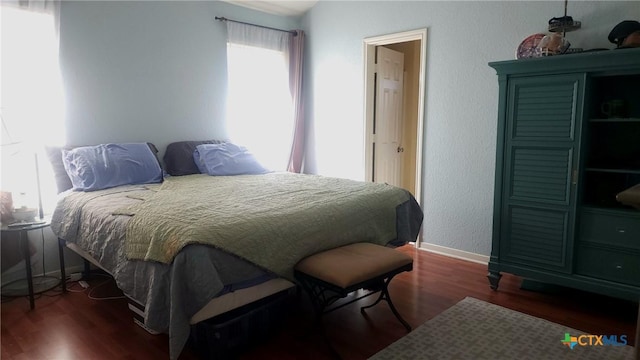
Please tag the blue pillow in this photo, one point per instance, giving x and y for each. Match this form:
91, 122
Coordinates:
226, 159
104, 166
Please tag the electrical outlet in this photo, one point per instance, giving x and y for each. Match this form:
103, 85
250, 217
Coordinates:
75, 276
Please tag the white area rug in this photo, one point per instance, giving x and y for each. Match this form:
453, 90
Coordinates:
474, 329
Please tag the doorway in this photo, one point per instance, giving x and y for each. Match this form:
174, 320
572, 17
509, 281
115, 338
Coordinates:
409, 142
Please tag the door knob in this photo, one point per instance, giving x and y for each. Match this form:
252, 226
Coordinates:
400, 149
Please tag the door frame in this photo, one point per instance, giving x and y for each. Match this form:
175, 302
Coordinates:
369, 48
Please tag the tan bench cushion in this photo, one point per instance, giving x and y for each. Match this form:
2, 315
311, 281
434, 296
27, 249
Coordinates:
353, 264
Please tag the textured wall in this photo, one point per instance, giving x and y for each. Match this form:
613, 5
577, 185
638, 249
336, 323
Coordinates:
461, 93
148, 70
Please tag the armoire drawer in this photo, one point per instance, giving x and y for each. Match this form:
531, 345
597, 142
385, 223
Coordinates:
617, 230
613, 265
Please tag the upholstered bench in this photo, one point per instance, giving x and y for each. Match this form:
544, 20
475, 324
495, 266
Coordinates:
331, 275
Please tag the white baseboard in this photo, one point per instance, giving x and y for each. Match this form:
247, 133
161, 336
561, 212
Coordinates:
68, 270
455, 253
20, 273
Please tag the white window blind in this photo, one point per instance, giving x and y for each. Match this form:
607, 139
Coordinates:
259, 103
31, 97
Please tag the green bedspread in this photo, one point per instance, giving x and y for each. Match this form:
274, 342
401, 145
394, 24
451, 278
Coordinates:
273, 220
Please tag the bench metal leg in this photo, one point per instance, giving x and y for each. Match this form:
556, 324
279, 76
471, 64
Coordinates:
384, 295
320, 298
323, 295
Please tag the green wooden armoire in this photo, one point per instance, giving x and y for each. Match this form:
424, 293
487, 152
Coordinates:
568, 143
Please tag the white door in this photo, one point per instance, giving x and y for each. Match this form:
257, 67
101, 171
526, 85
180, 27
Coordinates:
387, 128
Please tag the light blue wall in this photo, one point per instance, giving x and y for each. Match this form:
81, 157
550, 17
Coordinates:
461, 93
149, 70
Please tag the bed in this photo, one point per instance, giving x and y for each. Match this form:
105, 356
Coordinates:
195, 246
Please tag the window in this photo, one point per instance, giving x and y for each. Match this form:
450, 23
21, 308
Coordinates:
31, 100
259, 103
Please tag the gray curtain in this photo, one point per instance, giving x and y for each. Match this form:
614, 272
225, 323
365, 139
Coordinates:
296, 50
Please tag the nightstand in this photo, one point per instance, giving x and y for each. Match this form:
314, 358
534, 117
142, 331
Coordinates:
23, 233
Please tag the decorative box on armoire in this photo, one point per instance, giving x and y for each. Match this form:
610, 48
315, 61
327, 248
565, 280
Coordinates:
568, 143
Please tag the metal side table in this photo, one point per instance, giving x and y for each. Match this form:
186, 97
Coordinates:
23, 232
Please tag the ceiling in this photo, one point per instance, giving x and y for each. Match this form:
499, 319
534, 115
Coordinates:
277, 7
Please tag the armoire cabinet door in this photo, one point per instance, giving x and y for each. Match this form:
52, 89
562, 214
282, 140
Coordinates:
541, 160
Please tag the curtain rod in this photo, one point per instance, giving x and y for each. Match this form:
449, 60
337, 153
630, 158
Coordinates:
292, 32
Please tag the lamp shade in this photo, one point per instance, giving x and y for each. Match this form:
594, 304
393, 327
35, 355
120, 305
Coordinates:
20, 173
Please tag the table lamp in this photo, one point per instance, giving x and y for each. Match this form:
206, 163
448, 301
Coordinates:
11, 148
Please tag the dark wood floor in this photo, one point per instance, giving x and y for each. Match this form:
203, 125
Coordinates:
72, 326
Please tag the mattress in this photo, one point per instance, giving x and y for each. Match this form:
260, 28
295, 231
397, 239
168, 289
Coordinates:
238, 298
